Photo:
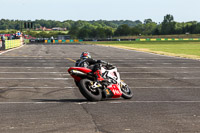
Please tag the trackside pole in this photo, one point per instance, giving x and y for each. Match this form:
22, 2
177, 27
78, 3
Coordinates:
3, 43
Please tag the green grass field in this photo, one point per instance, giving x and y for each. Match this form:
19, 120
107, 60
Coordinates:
186, 49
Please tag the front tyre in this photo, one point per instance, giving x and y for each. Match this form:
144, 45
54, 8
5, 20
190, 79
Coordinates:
88, 92
126, 91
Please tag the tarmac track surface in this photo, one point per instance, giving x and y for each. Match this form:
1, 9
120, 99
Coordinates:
37, 95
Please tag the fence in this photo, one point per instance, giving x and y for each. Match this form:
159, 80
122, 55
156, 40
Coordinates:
8, 44
63, 41
169, 39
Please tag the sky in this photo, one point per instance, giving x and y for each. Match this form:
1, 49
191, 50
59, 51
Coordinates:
182, 10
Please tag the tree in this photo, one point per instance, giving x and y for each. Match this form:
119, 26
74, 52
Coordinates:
148, 27
108, 32
146, 21
168, 25
74, 32
197, 29
123, 30
135, 31
100, 33
84, 33
66, 25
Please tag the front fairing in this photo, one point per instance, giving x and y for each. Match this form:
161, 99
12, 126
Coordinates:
115, 87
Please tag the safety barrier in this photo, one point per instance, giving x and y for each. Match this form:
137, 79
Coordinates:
12, 44
63, 41
169, 39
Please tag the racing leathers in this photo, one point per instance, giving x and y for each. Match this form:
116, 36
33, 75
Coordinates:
92, 64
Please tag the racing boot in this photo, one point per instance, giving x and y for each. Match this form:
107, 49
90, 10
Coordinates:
99, 75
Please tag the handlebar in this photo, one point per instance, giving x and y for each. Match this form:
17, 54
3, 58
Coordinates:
105, 64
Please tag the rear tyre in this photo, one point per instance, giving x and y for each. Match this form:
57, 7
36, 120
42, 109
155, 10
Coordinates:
126, 92
76, 82
88, 92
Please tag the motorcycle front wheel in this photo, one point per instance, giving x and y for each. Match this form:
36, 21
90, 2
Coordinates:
88, 92
126, 91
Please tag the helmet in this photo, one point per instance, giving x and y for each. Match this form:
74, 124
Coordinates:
85, 55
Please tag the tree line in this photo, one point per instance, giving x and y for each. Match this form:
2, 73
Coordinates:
107, 29
18, 24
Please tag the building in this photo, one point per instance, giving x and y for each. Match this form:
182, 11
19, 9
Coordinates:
43, 29
59, 29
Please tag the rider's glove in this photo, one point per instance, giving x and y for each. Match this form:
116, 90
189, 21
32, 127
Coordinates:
102, 62
99, 61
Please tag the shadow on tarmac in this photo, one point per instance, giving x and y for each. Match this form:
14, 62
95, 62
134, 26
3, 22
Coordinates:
72, 100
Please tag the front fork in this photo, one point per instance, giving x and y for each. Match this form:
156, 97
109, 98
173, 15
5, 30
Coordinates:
95, 85
107, 93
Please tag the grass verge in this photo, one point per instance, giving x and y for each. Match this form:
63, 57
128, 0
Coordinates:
185, 49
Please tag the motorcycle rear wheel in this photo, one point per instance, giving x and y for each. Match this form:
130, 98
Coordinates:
89, 93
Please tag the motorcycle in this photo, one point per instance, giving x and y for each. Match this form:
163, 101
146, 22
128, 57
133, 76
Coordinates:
101, 84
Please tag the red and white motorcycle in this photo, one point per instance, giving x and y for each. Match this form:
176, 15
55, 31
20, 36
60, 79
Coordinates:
101, 84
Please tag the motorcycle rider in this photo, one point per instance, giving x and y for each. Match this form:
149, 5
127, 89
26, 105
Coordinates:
92, 85
87, 61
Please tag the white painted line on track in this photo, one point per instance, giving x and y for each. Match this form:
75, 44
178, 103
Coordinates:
150, 63
29, 102
90, 103
137, 87
121, 72
35, 78
170, 63
36, 72
66, 73
166, 87
27, 87
11, 50
108, 58
159, 67
122, 78
148, 59
161, 72
34, 67
139, 59
155, 63
155, 102
80, 103
117, 67
164, 78
163, 101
